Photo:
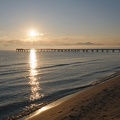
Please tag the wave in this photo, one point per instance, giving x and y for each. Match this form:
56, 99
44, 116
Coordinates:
56, 95
69, 64
19, 109
104, 79
8, 72
65, 92
27, 104
101, 71
13, 65
79, 77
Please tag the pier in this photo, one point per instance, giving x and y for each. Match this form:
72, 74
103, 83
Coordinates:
69, 50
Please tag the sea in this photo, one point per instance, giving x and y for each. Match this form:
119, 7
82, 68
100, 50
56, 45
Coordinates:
30, 80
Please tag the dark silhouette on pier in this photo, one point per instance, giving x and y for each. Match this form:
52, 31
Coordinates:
69, 50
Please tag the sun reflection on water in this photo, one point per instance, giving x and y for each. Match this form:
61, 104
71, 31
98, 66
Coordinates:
34, 83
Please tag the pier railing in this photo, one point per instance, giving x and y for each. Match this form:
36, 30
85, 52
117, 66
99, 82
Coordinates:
69, 50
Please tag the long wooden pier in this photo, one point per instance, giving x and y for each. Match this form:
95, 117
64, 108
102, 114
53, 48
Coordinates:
69, 50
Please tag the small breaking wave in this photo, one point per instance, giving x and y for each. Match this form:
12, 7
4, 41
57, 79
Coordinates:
104, 79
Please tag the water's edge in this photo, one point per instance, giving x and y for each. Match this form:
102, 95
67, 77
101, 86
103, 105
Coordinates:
28, 111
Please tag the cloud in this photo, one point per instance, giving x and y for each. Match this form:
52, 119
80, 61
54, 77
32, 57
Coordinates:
81, 40
4, 37
13, 41
1, 41
67, 42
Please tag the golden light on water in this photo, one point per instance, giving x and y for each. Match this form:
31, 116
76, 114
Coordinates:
34, 83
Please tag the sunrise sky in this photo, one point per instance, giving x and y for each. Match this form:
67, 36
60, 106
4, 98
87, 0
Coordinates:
59, 23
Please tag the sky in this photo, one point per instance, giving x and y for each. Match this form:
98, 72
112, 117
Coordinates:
59, 24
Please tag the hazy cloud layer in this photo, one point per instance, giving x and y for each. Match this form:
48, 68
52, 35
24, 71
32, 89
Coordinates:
66, 42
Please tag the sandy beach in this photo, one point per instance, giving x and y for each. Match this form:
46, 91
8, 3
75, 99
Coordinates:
101, 102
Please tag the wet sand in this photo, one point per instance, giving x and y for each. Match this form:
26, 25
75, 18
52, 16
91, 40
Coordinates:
101, 102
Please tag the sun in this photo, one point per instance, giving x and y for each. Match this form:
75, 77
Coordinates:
33, 33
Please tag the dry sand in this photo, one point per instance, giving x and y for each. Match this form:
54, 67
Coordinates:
102, 102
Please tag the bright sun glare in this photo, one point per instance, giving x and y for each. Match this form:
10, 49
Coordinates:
33, 33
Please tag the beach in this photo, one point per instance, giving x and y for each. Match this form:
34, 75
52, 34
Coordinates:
101, 102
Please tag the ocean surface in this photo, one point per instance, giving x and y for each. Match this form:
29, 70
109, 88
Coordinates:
29, 79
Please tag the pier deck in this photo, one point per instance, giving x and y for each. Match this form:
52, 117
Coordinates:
69, 50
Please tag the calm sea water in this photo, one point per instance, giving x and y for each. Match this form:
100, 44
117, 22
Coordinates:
28, 79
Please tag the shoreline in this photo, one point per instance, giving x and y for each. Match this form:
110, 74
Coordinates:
76, 106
